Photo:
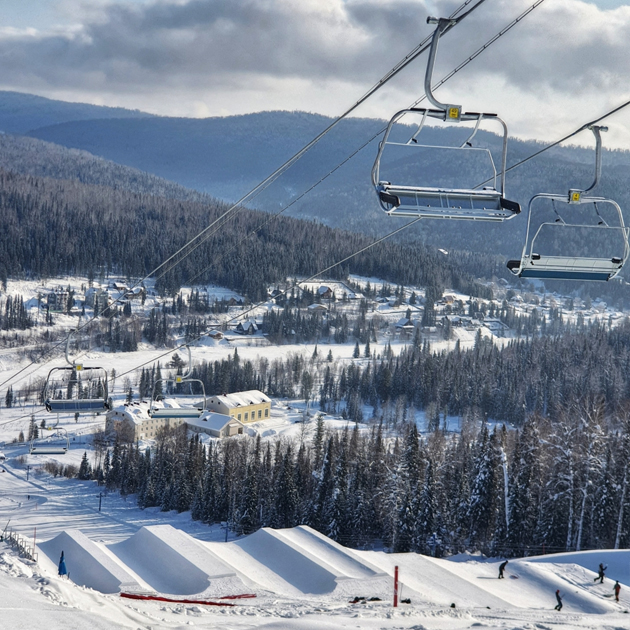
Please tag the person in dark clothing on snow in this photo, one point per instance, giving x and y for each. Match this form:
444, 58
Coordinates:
600, 573
502, 569
558, 606
616, 589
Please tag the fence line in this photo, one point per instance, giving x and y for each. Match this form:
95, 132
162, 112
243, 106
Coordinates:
17, 541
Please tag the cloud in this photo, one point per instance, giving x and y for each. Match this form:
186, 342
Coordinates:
218, 56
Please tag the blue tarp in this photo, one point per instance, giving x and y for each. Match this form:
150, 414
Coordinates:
62, 566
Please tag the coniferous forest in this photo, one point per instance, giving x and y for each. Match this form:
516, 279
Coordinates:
549, 473
546, 487
133, 233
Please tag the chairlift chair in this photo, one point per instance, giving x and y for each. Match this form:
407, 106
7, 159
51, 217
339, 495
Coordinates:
423, 201
178, 412
73, 380
40, 447
543, 266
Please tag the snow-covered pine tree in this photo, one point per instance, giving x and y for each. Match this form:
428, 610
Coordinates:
85, 470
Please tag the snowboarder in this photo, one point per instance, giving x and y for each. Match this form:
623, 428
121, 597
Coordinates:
558, 606
62, 566
502, 569
600, 573
616, 589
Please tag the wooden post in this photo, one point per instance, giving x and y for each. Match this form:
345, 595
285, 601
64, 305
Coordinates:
396, 586
34, 537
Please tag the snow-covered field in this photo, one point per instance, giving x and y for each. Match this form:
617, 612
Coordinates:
300, 578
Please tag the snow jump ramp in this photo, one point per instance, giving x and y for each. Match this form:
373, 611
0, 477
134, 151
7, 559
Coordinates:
89, 563
173, 562
298, 561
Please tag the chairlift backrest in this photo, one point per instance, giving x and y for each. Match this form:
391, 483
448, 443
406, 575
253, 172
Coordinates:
423, 200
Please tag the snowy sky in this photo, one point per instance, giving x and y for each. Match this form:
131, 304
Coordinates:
564, 64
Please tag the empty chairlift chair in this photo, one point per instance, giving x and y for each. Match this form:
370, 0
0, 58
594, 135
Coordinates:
178, 412
76, 388
567, 232
58, 445
423, 200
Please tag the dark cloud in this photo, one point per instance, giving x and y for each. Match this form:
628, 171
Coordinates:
564, 47
210, 40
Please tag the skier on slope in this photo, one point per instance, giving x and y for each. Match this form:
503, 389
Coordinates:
600, 573
502, 569
616, 589
558, 606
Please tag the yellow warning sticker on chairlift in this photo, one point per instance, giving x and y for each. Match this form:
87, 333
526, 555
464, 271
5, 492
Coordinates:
78, 367
576, 196
453, 112
178, 379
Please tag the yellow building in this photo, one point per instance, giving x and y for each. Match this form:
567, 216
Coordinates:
249, 406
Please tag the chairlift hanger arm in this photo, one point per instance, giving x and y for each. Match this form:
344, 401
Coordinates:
575, 194
452, 112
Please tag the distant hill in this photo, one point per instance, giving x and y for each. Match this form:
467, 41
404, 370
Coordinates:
21, 112
30, 156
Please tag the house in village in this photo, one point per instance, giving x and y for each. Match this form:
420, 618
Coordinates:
248, 327
134, 422
137, 293
249, 406
317, 308
325, 293
404, 327
215, 425
57, 300
97, 298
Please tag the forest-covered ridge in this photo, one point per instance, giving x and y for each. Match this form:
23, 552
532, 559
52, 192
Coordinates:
30, 156
54, 227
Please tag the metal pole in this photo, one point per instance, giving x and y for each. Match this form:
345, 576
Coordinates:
396, 586
28, 468
100, 496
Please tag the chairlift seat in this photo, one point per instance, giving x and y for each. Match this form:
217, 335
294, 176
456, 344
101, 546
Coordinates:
175, 413
81, 405
565, 267
48, 450
444, 203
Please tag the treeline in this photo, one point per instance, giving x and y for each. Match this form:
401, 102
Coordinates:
549, 486
131, 234
14, 315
